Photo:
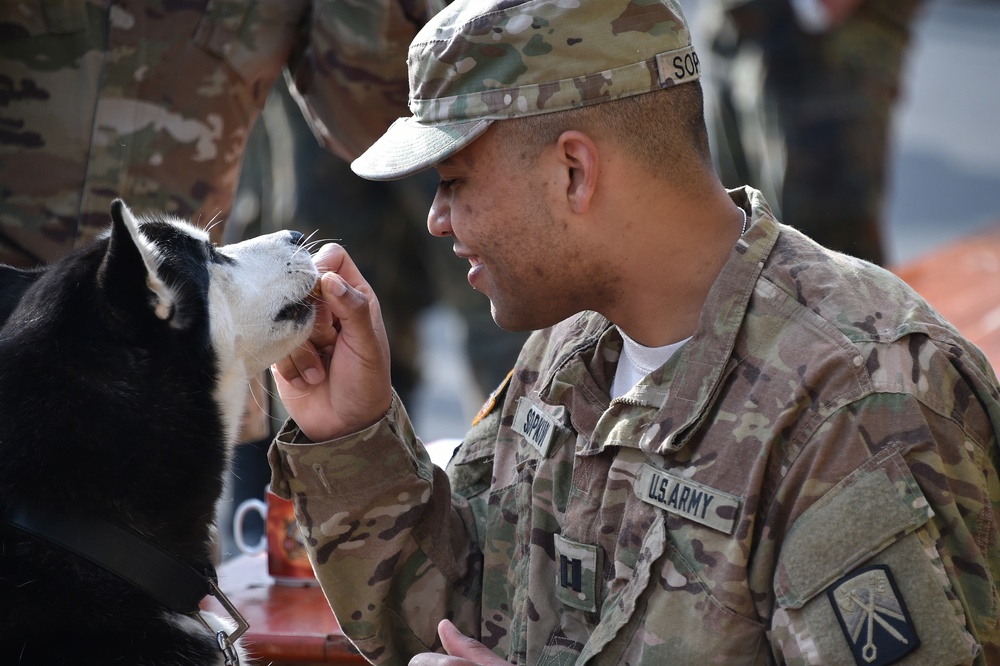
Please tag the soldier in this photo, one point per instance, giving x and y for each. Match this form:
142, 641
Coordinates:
724, 443
153, 102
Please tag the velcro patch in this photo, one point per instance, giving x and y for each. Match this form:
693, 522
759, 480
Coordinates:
576, 574
874, 618
688, 499
534, 425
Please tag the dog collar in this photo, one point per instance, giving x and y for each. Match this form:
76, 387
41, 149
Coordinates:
136, 560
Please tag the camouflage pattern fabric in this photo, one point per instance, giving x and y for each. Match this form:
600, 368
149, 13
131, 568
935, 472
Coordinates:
823, 434
483, 61
813, 129
153, 100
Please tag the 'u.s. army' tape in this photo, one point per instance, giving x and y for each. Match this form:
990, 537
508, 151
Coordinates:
688, 499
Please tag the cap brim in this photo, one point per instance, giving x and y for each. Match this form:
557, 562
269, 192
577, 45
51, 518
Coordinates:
408, 147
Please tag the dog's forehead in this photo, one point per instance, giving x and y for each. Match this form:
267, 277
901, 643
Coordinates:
149, 224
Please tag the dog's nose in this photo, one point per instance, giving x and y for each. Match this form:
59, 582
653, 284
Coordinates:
297, 237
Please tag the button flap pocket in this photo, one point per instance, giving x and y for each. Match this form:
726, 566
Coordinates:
875, 506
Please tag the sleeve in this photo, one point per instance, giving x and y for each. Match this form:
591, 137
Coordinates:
896, 560
394, 550
351, 81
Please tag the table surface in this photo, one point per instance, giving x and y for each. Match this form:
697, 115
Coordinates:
962, 282
288, 624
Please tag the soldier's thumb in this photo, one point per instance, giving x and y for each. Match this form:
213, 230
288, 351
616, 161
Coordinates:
459, 645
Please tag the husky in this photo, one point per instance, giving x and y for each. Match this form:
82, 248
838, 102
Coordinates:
123, 380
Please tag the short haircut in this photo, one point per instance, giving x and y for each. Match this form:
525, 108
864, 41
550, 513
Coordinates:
663, 130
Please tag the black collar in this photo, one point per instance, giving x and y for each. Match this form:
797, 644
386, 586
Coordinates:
134, 559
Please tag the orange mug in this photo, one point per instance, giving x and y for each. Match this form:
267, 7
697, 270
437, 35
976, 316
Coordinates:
287, 560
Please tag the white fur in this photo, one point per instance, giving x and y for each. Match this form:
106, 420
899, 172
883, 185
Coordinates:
268, 273
244, 298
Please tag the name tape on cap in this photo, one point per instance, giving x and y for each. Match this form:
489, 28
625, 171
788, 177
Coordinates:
688, 499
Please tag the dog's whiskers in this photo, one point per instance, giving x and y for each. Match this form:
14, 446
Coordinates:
311, 246
215, 221
267, 391
308, 243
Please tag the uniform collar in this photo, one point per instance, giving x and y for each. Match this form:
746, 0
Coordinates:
706, 360
582, 365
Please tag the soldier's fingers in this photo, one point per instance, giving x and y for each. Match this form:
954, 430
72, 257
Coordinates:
459, 645
324, 330
333, 258
305, 366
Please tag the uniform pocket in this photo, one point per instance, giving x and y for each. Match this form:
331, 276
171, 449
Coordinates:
682, 622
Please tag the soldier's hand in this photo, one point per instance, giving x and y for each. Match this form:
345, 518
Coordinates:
461, 649
338, 381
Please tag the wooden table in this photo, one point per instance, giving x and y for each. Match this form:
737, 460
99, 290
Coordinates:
962, 282
288, 625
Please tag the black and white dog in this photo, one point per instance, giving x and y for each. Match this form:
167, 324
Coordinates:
123, 377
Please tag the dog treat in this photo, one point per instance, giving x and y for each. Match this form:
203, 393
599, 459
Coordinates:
317, 290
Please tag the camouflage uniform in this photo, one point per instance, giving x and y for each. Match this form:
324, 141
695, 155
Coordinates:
152, 101
806, 117
822, 452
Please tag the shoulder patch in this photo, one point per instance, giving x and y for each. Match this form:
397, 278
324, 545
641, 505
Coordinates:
874, 618
492, 401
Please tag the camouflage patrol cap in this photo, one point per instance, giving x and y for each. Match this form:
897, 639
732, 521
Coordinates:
483, 60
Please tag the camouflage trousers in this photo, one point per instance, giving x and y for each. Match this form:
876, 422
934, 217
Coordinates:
807, 118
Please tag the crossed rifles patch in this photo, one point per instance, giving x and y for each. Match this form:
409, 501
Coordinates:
873, 616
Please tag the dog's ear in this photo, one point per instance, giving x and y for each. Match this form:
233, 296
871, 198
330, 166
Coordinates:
130, 266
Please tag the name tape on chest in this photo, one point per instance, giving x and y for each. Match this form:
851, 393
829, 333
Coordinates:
534, 425
688, 499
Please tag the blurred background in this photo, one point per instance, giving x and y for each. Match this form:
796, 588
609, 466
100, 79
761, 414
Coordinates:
946, 166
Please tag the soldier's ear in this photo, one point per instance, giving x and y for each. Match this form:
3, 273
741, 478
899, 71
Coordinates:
579, 158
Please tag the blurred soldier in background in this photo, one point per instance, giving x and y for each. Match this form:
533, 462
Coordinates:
804, 96
153, 101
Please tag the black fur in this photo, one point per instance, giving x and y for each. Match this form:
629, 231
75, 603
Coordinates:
106, 410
